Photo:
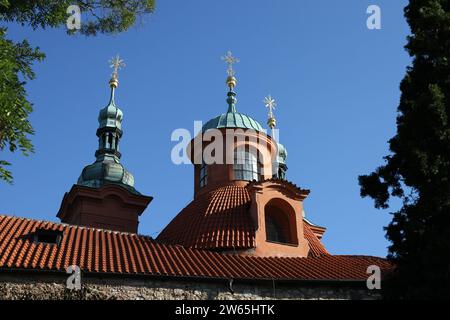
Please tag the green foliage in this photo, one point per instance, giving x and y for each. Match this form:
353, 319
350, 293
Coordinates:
104, 16
418, 168
15, 62
16, 59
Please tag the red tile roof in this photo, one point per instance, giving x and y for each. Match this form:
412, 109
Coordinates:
104, 251
216, 219
286, 183
316, 247
221, 219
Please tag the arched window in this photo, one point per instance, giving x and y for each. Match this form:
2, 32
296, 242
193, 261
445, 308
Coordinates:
274, 231
280, 223
246, 165
203, 175
110, 138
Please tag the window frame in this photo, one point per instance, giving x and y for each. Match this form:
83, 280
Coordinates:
280, 220
246, 167
203, 176
274, 229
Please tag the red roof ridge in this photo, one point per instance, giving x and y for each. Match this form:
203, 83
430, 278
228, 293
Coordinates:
286, 183
311, 224
277, 180
75, 226
360, 256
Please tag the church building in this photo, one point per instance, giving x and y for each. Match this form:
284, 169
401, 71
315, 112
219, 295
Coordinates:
244, 235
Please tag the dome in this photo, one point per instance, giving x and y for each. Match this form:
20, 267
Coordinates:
232, 120
110, 116
106, 172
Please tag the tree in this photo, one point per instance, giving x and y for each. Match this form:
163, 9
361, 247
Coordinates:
16, 59
418, 169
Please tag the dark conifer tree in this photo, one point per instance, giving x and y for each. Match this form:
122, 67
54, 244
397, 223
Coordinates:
418, 168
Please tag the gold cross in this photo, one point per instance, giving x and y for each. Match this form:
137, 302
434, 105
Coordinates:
230, 60
269, 102
116, 63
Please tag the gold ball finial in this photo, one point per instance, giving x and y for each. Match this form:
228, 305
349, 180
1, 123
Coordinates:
114, 82
231, 82
272, 122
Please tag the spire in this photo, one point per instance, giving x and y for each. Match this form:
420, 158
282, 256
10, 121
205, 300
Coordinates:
231, 81
104, 195
109, 131
107, 167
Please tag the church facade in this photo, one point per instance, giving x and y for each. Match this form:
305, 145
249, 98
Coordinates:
243, 236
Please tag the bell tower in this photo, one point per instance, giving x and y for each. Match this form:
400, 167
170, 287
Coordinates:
104, 196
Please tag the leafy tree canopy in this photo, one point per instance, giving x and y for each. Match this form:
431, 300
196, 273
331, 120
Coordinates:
105, 16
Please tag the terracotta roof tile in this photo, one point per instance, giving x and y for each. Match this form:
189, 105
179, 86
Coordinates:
286, 183
220, 219
97, 250
316, 248
217, 219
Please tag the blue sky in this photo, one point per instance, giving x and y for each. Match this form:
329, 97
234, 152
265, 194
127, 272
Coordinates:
335, 81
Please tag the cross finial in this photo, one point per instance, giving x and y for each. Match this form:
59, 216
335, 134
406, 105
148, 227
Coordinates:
115, 63
269, 102
230, 60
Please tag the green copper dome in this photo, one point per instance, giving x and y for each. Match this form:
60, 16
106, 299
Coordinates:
110, 116
232, 119
105, 172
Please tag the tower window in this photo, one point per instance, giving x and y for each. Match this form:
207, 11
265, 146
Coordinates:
110, 138
203, 175
246, 165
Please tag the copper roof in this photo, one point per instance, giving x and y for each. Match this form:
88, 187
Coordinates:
104, 251
220, 219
